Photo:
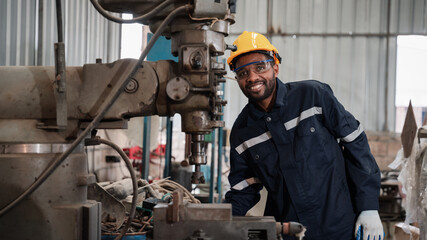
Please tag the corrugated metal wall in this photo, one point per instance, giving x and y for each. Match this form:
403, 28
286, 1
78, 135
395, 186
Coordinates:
28, 32
17, 32
339, 42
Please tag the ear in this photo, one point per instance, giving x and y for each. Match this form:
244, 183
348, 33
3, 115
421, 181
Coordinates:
276, 69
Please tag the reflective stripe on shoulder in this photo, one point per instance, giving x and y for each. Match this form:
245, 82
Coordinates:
352, 136
243, 184
303, 115
253, 141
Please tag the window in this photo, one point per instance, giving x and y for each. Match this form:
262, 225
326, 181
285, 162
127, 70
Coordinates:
411, 78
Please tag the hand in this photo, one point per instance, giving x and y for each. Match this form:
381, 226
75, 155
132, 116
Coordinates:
369, 226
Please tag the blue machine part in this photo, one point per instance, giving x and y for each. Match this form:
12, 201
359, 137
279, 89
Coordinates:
133, 237
161, 50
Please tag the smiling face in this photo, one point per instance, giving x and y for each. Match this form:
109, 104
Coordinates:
257, 80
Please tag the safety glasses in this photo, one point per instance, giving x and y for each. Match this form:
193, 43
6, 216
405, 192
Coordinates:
258, 67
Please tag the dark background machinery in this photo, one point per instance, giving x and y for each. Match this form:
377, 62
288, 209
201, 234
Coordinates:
47, 112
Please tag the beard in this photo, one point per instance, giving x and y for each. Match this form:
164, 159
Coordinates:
270, 86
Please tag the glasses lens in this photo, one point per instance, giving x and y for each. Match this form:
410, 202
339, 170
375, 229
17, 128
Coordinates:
259, 67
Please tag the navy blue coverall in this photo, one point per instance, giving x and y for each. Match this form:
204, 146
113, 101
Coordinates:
310, 154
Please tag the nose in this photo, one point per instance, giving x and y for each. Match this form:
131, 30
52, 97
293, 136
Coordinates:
253, 76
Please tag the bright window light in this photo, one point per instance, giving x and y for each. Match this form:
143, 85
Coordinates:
131, 46
411, 78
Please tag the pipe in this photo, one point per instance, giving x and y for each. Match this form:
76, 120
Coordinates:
168, 154
212, 179
60, 73
146, 16
220, 150
57, 162
349, 34
385, 127
59, 21
146, 148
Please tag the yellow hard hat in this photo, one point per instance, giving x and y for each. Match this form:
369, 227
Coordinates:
250, 42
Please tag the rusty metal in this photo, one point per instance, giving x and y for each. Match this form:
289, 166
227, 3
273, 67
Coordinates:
94, 91
178, 89
61, 85
30, 95
409, 131
111, 207
55, 210
174, 209
60, 76
208, 219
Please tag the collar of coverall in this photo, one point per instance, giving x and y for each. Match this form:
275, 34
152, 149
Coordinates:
281, 100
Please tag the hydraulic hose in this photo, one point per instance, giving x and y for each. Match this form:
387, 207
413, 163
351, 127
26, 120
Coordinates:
107, 104
146, 16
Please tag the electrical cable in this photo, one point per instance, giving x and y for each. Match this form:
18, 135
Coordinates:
107, 104
169, 185
146, 16
134, 184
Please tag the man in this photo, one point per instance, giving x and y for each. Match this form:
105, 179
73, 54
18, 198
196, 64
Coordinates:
299, 142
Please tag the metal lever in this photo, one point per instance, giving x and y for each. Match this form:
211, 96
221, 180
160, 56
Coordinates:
231, 47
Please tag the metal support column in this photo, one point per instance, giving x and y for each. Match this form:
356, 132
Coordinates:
168, 153
212, 179
220, 151
146, 148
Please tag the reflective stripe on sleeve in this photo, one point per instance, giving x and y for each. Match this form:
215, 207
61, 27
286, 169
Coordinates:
243, 184
253, 141
303, 115
352, 136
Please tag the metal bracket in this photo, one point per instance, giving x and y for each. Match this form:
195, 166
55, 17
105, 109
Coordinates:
61, 87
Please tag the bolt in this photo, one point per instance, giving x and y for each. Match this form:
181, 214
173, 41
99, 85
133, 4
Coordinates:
132, 86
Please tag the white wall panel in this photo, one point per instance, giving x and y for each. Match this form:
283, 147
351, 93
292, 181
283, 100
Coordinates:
339, 42
17, 32
28, 32
251, 16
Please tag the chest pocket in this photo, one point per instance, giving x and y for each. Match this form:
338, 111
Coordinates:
265, 161
310, 141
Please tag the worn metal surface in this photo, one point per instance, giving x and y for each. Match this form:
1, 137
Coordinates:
178, 89
239, 228
190, 211
29, 105
210, 9
91, 220
180, 220
54, 211
111, 207
61, 85
101, 80
26, 131
29, 91
36, 148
